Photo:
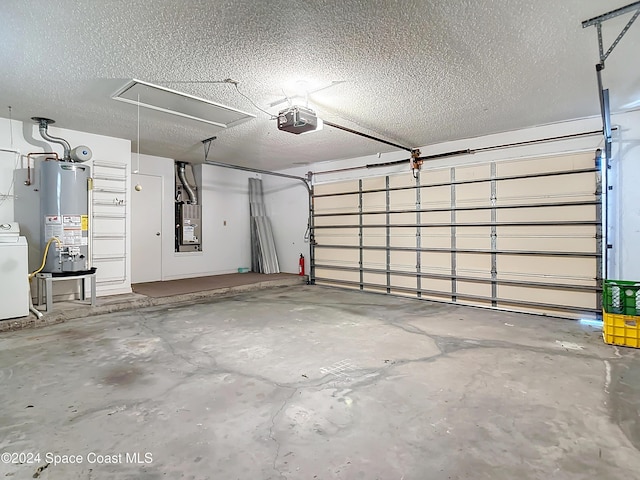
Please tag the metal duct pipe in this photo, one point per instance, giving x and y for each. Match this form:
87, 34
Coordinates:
44, 124
193, 200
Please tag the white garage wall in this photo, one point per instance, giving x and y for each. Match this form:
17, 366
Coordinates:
626, 214
224, 196
625, 198
287, 203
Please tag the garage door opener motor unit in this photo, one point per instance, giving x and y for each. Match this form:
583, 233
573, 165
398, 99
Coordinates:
297, 120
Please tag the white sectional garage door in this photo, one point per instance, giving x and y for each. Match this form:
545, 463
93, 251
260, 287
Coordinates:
520, 235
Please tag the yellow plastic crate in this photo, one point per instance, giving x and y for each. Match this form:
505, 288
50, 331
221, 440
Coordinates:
618, 329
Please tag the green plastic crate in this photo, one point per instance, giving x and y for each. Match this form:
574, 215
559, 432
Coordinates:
621, 297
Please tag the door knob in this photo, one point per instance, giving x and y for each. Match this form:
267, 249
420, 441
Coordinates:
157, 234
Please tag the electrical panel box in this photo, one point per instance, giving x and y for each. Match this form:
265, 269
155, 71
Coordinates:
188, 226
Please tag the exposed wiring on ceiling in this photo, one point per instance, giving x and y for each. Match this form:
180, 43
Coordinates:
234, 82
286, 97
229, 81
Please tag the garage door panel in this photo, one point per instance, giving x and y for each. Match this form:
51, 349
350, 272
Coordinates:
407, 240
338, 236
403, 261
580, 238
373, 202
337, 256
335, 187
581, 186
474, 289
338, 204
473, 172
427, 218
402, 199
473, 238
435, 176
432, 197
435, 261
473, 194
375, 278
346, 275
577, 161
374, 259
473, 216
335, 220
561, 280
473, 262
374, 219
402, 218
560, 252
374, 237
403, 232
548, 296
436, 285
435, 238
541, 214
401, 180
373, 183
546, 266
404, 281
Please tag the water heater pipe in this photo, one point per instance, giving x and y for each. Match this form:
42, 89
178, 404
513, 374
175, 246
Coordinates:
44, 124
183, 180
29, 181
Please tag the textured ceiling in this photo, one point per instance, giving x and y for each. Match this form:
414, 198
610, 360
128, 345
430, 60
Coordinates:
413, 72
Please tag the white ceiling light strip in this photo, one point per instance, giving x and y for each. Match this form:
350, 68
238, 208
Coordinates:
173, 102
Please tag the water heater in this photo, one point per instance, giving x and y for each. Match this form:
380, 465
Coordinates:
64, 210
64, 207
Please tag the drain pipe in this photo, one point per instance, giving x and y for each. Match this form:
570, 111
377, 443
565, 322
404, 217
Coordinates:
193, 200
33, 309
44, 124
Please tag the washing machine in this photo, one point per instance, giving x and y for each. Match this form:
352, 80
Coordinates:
14, 272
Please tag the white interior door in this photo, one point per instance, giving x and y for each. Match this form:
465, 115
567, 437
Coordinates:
146, 228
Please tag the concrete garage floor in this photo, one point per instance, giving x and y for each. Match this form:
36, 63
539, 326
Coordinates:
309, 382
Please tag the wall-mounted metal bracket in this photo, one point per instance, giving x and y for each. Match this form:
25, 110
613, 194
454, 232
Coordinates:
602, 92
597, 21
207, 146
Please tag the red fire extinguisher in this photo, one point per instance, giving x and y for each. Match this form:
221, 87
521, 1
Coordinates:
301, 265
